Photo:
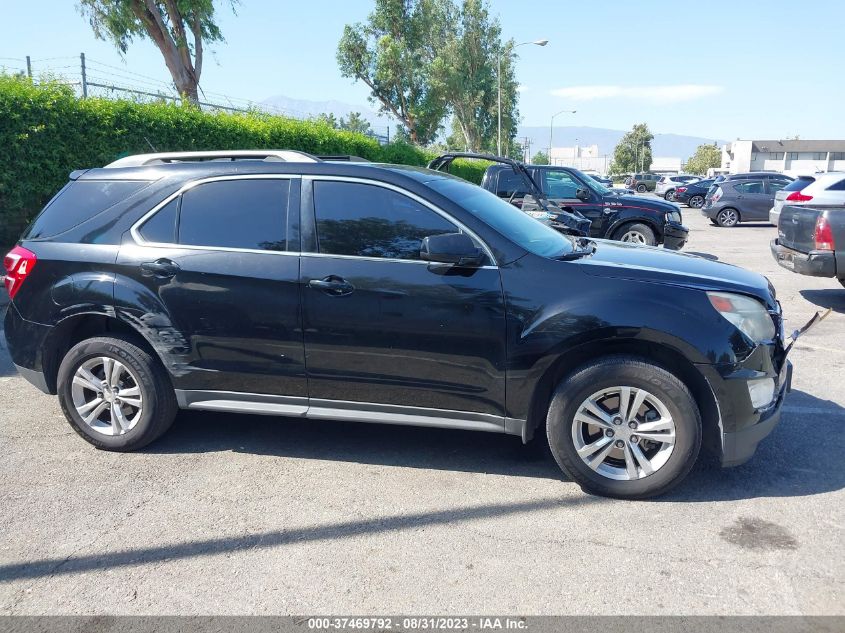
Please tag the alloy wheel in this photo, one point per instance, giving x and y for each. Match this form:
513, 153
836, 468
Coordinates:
728, 217
634, 237
623, 433
696, 202
107, 396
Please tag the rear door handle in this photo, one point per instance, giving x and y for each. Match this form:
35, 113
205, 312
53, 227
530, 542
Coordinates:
159, 268
332, 285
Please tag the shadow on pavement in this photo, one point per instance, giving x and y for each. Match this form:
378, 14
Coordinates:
382, 444
802, 456
792, 461
827, 297
709, 256
277, 538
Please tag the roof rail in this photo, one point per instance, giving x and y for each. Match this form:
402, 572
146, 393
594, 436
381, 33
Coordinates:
284, 155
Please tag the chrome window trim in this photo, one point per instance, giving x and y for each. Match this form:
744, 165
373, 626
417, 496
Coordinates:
140, 241
418, 199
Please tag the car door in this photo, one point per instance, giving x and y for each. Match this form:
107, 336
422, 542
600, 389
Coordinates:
752, 199
387, 333
216, 269
560, 186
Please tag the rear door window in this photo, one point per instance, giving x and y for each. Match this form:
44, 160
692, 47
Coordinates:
248, 214
749, 186
78, 202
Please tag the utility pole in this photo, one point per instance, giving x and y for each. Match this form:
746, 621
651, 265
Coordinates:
84, 79
526, 150
499, 81
28, 67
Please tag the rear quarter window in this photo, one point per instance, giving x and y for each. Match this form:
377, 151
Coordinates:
77, 202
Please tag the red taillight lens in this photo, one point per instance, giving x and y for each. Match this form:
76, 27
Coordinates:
18, 263
823, 235
797, 196
681, 189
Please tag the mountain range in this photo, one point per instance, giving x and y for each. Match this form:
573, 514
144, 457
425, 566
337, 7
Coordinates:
663, 145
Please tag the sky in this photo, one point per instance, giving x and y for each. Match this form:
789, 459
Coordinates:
716, 69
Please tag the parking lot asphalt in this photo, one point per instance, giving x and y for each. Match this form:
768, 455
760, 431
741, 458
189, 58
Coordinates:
231, 514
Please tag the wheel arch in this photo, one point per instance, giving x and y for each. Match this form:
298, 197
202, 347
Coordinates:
78, 327
636, 219
662, 355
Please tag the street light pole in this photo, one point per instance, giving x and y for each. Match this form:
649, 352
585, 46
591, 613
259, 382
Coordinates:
552, 127
499, 81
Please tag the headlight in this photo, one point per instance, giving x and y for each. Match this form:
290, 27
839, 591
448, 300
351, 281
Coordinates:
747, 314
674, 216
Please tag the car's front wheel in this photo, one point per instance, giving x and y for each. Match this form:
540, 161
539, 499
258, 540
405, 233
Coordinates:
114, 394
636, 233
623, 427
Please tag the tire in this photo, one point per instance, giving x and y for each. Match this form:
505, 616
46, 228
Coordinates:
713, 222
841, 280
696, 202
612, 477
139, 378
669, 196
635, 233
728, 217
641, 188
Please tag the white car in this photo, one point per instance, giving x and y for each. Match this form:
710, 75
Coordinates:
666, 186
815, 189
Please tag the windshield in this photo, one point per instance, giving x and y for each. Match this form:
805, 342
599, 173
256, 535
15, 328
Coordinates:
593, 184
530, 234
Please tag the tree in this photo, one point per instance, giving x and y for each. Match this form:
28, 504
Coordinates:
168, 24
467, 75
328, 119
355, 123
633, 152
392, 54
540, 158
705, 157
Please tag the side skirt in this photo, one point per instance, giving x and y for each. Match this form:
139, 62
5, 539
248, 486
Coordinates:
318, 409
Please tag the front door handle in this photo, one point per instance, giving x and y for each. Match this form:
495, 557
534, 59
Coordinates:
161, 267
332, 285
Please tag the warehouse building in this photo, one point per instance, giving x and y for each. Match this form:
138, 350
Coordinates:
791, 157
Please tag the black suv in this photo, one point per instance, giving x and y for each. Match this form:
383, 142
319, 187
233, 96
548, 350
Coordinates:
280, 284
616, 216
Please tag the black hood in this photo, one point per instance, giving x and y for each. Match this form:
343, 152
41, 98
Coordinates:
645, 263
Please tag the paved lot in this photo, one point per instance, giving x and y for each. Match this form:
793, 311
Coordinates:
236, 514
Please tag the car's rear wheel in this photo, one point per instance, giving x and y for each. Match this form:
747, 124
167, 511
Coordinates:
727, 217
669, 196
623, 427
114, 394
696, 202
636, 233
641, 188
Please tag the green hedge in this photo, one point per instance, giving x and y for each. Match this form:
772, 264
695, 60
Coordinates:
46, 132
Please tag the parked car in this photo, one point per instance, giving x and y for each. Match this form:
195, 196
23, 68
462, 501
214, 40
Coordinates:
667, 185
613, 216
693, 194
811, 240
643, 182
743, 198
165, 281
607, 182
817, 190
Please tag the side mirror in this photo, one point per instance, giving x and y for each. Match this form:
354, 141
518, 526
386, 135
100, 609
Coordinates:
582, 194
451, 248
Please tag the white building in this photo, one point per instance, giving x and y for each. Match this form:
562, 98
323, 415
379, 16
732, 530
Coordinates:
589, 158
792, 157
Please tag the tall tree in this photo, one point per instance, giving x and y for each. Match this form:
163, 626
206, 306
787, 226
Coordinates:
179, 28
392, 54
467, 74
705, 157
633, 152
355, 123
540, 158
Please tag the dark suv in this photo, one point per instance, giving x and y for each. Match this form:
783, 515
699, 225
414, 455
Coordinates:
613, 215
298, 287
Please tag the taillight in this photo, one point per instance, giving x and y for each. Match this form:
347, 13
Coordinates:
19, 263
823, 235
797, 196
680, 189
